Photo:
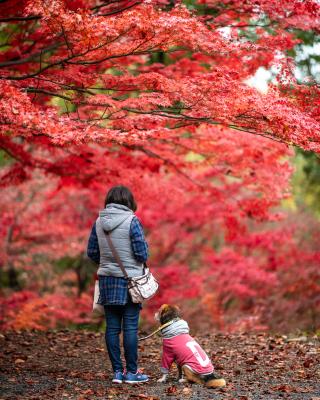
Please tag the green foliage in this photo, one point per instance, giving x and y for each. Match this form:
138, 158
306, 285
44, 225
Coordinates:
203, 9
306, 180
64, 106
194, 157
5, 159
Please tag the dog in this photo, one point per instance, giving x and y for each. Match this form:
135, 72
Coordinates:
193, 363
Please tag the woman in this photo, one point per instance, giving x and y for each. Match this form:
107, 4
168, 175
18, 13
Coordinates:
126, 233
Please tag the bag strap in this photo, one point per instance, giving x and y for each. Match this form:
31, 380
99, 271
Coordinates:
115, 254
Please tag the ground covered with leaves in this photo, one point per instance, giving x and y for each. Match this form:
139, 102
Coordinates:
74, 365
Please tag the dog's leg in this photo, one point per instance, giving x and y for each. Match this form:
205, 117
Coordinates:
191, 376
163, 379
181, 378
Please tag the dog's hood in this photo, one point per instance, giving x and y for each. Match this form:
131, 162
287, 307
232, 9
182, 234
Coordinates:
178, 327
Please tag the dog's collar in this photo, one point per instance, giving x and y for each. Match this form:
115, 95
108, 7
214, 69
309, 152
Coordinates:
160, 328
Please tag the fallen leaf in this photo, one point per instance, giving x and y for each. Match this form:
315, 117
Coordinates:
307, 363
186, 391
172, 390
143, 396
88, 391
284, 388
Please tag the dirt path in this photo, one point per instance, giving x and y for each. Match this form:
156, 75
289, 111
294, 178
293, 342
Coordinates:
73, 365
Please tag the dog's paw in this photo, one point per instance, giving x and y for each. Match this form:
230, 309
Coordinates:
162, 380
182, 380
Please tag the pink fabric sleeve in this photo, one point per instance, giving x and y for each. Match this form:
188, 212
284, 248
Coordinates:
167, 359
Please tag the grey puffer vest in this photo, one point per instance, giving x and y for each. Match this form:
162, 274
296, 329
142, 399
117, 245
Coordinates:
116, 219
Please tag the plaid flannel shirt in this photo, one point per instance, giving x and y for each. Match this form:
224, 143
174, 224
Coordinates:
114, 290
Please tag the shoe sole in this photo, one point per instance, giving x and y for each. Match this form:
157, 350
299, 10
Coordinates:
116, 381
133, 382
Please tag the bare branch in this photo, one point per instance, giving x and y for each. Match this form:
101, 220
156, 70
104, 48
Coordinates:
29, 18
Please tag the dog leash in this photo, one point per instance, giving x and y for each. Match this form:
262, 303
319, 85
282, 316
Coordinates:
159, 329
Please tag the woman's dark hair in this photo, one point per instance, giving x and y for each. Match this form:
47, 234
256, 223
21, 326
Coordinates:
121, 195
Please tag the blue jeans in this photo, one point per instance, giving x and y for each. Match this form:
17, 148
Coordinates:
127, 318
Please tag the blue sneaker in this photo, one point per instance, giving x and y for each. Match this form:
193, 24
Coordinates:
117, 377
135, 378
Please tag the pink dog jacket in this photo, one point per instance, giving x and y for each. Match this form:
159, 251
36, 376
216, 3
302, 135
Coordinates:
184, 350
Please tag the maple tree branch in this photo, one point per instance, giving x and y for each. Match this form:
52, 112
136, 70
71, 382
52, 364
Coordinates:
52, 47
119, 11
90, 88
62, 61
152, 154
31, 57
66, 40
105, 4
17, 18
267, 135
37, 17
132, 52
48, 93
180, 116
